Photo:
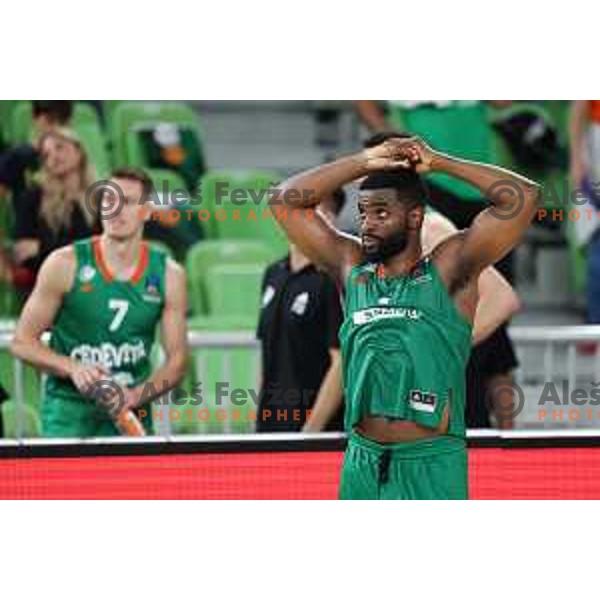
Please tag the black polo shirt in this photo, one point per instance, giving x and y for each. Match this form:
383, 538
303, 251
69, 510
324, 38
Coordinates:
299, 322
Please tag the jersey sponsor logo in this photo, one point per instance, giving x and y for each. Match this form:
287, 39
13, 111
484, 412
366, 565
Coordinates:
384, 301
268, 295
423, 401
368, 315
152, 289
420, 279
109, 355
300, 304
86, 273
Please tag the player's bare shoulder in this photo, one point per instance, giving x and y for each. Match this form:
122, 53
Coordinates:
59, 269
176, 283
436, 228
175, 272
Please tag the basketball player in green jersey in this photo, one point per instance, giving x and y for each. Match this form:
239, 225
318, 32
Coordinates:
406, 337
102, 299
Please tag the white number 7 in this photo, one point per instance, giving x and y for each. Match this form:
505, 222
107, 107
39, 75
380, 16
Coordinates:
121, 306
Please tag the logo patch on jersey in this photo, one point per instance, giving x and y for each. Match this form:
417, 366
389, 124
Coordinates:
423, 401
421, 279
86, 273
152, 288
419, 275
268, 295
300, 304
384, 301
362, 317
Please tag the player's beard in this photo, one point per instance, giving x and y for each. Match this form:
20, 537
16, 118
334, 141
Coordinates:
388, 247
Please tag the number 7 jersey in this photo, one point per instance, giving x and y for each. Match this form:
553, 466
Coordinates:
107, 321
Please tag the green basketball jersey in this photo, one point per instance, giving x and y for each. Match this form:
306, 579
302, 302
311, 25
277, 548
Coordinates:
458, 127
404, 347
109, 322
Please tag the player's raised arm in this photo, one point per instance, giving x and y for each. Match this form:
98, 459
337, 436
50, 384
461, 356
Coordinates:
497, 230
316, 238
498, 301
173, 340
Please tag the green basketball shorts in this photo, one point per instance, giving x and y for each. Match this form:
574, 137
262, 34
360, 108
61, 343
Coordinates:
79, 417
429, 469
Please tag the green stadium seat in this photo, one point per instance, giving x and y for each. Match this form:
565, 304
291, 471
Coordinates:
132, 126
234, 289
93, 141
6, 108
109, 107
250, 219
31, 382
32, 427
19, 129
212, 252
238, 367
10, 302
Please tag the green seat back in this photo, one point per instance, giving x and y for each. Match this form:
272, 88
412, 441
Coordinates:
31, 379
241, 218
129, 118
234, 289
31, 421
211, 252
236, 367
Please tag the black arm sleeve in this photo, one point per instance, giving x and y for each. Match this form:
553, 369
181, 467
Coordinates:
333, 306
14, 163
263, 285
27, 208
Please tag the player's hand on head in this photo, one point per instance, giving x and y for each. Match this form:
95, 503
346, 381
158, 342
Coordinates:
386, 157
416, 151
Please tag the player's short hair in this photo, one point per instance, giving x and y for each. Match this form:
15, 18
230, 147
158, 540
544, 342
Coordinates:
135, 174
407, 182
59, 111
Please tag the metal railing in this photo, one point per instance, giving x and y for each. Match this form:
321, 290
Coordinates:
548, 355
552, 358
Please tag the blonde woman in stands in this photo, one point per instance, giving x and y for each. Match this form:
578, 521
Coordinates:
52, 213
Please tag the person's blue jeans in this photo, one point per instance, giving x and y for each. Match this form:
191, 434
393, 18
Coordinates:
593, 280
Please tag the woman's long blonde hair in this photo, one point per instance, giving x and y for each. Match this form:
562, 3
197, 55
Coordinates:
59, 198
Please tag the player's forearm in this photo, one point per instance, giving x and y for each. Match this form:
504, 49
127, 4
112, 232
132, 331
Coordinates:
498, 303
307, 189
491, 181
578, 122
371, 115
328, 402
37, 354
161, 381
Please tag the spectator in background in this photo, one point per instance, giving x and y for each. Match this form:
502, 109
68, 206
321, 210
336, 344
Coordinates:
53, 214
584, 133
17, 162
298, 330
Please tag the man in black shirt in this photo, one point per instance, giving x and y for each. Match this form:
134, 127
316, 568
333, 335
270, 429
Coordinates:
298, 329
